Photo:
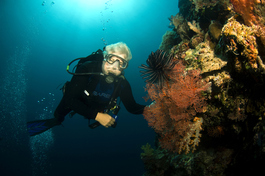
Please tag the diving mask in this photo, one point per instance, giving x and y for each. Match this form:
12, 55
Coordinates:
112, 58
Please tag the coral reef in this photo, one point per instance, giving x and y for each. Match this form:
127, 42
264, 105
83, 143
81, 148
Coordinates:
210, 117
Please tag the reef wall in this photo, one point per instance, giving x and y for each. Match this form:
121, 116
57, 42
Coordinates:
225, 41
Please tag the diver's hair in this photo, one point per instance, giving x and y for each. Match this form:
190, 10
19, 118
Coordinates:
119, 48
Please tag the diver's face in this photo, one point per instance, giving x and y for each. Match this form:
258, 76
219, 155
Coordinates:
113, 68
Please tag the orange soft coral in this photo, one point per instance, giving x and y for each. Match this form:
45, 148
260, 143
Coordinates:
246, 8
177, 103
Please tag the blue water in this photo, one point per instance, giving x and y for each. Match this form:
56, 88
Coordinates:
37, 40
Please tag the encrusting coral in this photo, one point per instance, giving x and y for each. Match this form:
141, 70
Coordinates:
203, 4
241, 41
168, 41
215, 29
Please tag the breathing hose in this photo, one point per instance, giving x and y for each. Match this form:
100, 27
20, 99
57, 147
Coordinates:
72, 73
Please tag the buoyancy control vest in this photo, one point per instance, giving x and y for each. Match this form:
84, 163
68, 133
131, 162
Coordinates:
97, 57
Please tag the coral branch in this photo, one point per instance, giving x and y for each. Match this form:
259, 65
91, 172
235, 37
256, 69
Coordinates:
194, 132
195, 27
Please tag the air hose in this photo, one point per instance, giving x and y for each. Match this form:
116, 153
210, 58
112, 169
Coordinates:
72, 73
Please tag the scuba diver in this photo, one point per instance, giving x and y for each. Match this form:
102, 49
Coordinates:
96, 84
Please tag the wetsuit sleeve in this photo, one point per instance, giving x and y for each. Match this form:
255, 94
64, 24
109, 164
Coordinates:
76, 96
128, 99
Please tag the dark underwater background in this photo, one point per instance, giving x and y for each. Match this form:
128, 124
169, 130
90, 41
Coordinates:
37, 41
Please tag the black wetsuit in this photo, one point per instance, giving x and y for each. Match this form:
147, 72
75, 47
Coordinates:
89, 94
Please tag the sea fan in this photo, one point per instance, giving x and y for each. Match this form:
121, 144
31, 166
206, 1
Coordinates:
159, 65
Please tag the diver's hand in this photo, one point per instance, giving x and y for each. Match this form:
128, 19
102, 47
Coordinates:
152, 104
105, 119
